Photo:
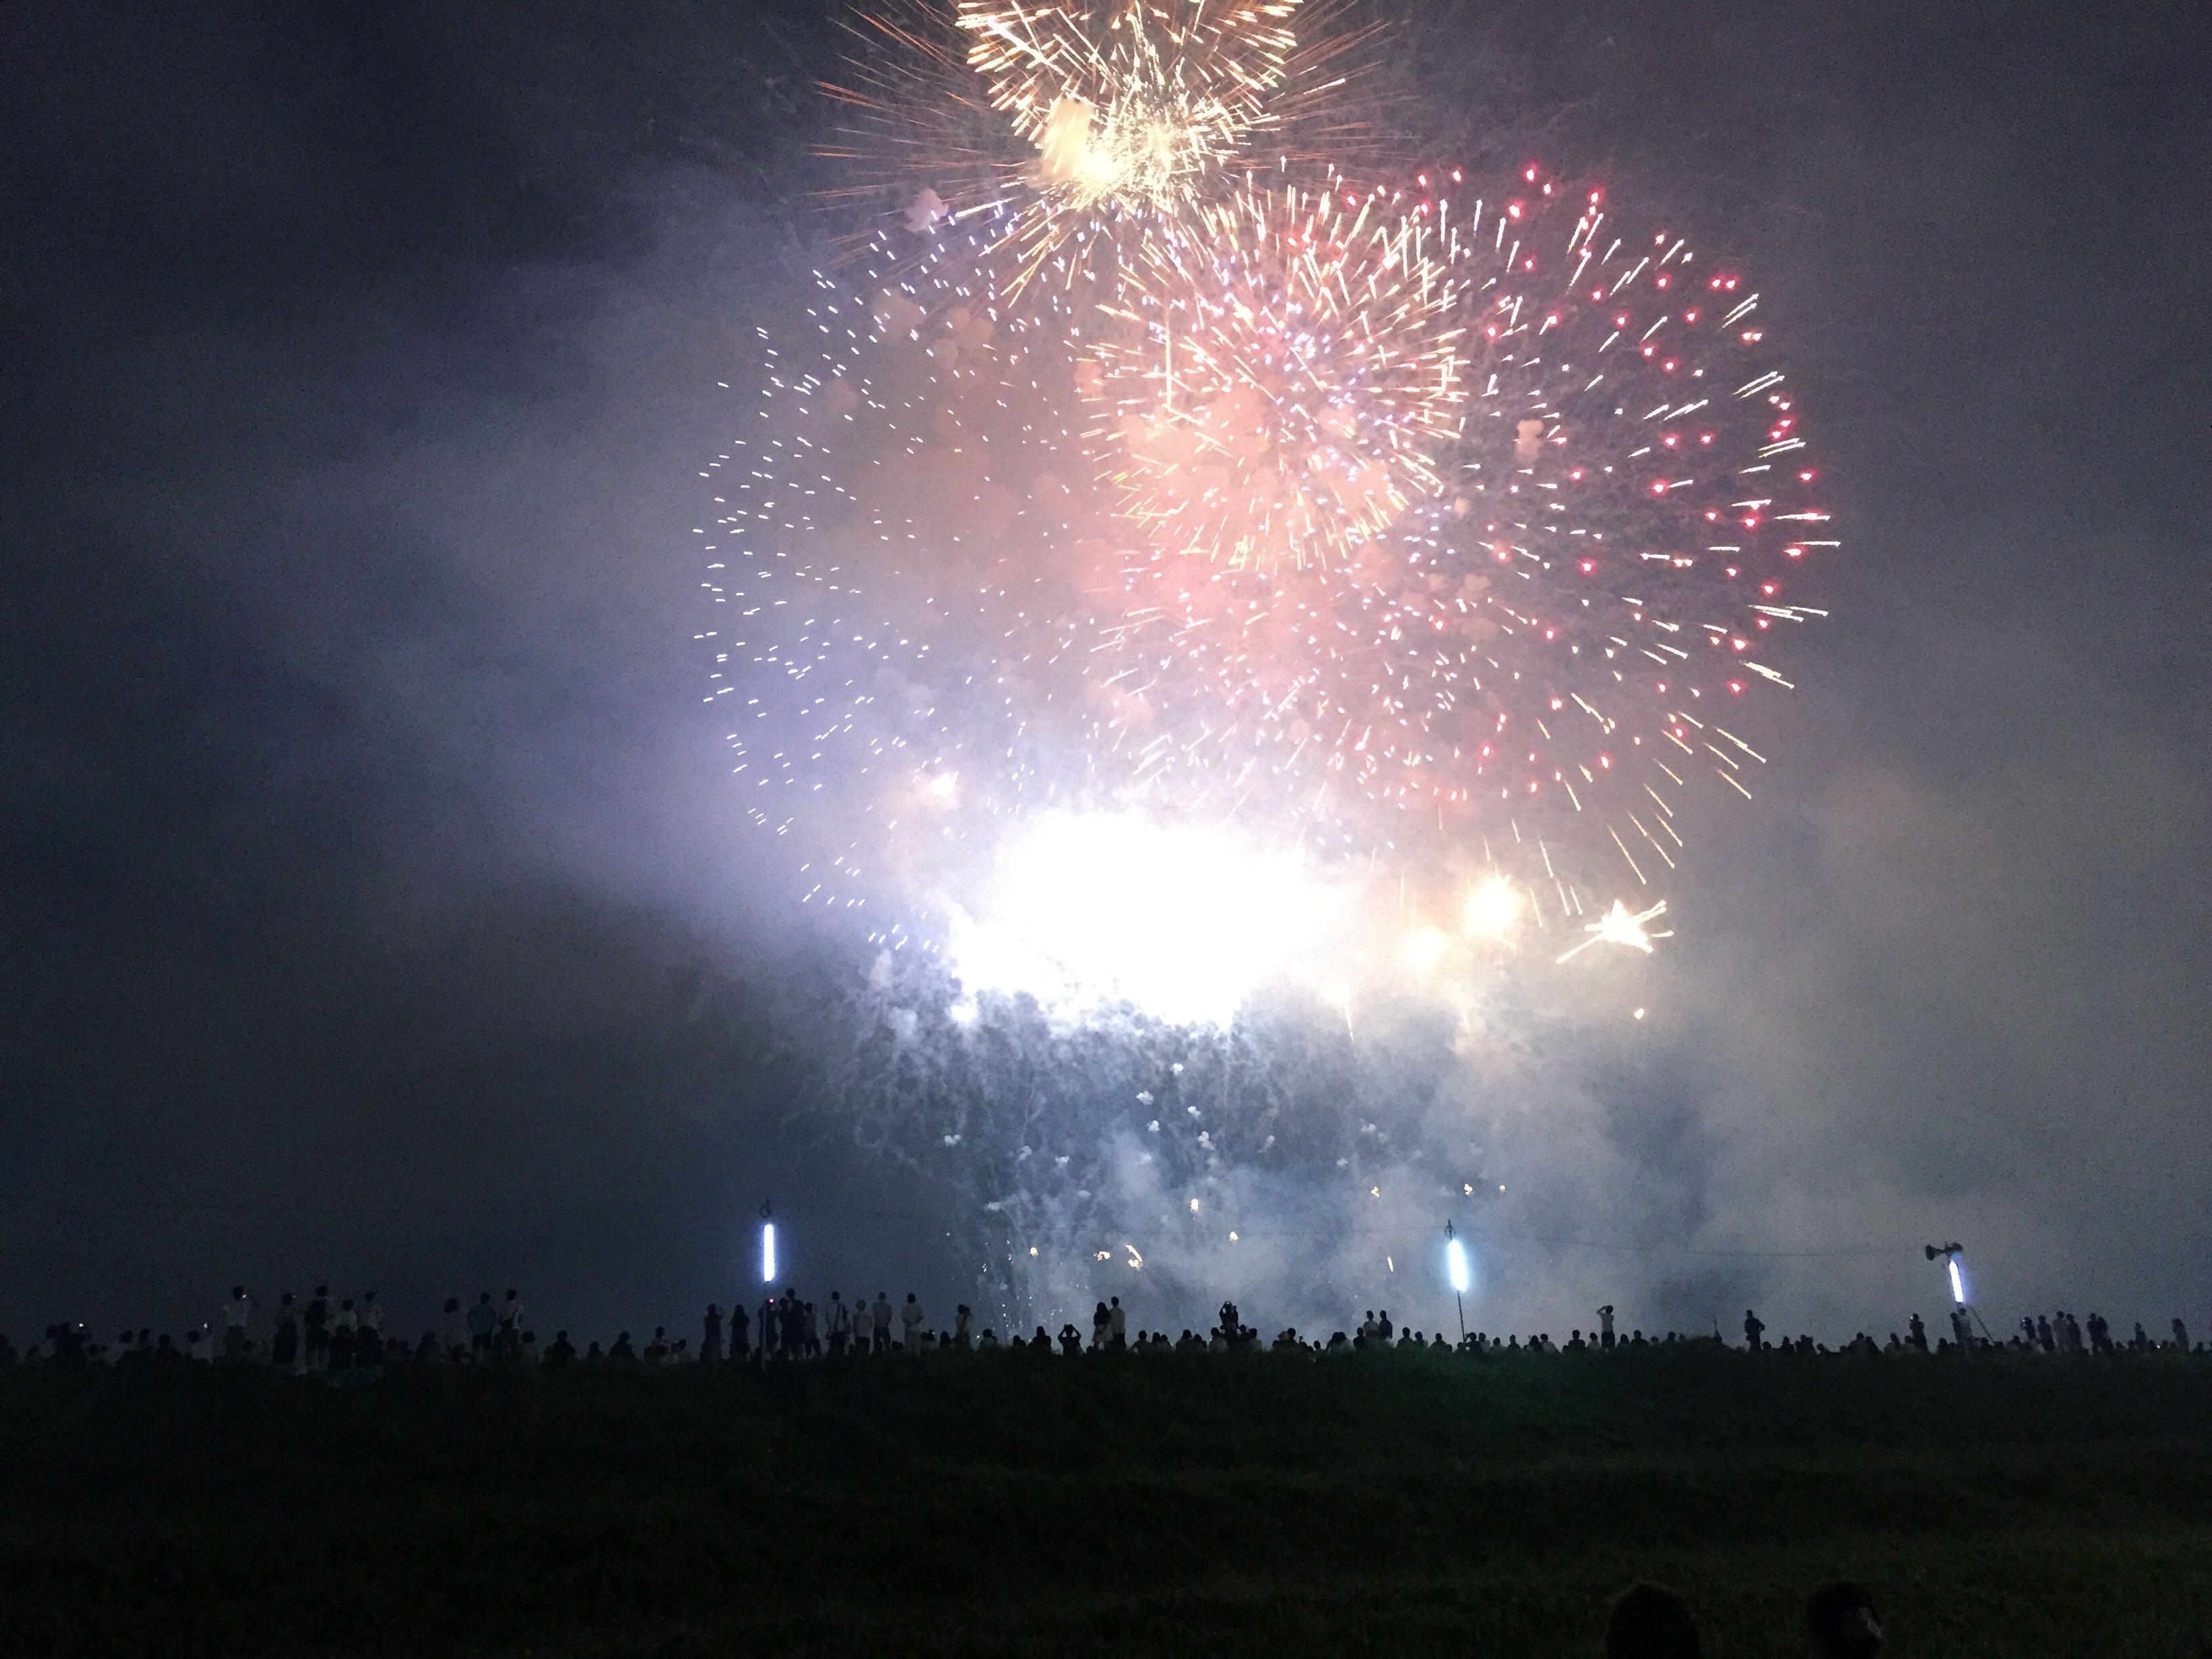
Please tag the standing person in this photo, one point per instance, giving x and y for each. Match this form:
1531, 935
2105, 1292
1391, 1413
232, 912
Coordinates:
879, 1324
372, 1329
770, 1327
483, 1325
741, 1336
710, 1339
811, 1324
318, 1328
2181, 1336
456, 1331
238, 1324
1753, 1328
1916, 1333
1117, 1323
1099, 1321
343, 1324
1605, 1325
911, 1318
510, 1327
963, 1326
284, 1345
841, 1326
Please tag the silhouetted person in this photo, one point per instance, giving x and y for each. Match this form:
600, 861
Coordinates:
840, 1327
1070, 1339
879, 1324
710, 1339
1605, 1325
2181, 1336
456, 1331
2044, 1339
1648, 1622
1841, 1623
238, 1324
1117, 1322
911, 1318
1916, 1333
284, 1344
741, 1336
622, 1350
1098, 1323
317, 1327
483, 1326
1753, 1328
562, 1350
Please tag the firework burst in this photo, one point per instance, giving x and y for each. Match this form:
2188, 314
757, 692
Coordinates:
1106, 125
1277, 389
1533, 663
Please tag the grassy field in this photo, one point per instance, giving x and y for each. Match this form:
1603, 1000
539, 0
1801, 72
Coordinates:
1199, 1504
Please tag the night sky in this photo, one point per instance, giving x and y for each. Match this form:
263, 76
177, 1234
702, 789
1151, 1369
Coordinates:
373, 903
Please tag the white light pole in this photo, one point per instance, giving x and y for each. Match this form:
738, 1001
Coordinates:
1955, 1271
768, 1248
1456, 1265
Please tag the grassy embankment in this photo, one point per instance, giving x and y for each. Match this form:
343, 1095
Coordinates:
1404, 1504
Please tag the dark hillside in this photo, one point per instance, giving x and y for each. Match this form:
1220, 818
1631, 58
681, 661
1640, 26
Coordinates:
1395, 1504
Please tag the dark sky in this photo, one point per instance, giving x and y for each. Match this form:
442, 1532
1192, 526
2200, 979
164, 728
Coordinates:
372, 902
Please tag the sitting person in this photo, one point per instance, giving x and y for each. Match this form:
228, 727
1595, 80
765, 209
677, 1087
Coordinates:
1648, 1622
1841, 1622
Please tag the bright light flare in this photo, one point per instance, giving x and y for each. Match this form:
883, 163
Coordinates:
1455, 1263
1184, 921
1620, 925
1424, 949
1957, 1284
768, 1253
1492, 910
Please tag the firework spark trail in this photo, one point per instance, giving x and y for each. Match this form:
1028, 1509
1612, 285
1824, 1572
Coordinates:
1540, 659
1282, 380
1097, 128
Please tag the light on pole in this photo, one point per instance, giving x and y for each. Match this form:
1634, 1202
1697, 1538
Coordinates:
1951, 1252
768, 1248
1456, 1265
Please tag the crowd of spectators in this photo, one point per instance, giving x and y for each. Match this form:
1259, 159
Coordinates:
346, 1334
